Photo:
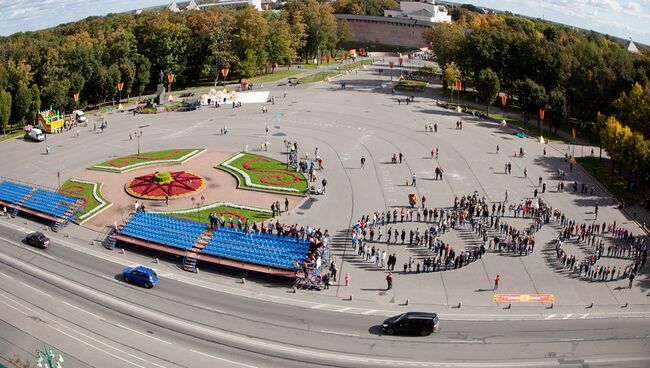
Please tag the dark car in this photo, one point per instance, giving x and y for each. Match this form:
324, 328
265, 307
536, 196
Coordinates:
140, 275
37, 239
416, 323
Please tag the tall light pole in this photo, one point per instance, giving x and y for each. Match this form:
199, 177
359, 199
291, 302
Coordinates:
49, 358
224, 74
138, 138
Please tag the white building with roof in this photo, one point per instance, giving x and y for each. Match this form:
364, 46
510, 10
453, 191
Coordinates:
632, 49
172, 7
423, 10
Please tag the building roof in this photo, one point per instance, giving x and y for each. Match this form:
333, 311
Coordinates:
173, 7
384, 19
422, 13
632, 49
192, 5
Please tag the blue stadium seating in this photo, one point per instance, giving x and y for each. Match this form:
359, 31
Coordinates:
12, 192
265, 249
164, 230
49, 202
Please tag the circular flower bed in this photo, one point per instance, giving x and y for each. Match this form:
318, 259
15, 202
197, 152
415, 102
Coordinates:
161, 184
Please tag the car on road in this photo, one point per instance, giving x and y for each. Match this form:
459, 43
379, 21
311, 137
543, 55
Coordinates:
420, 323
37, 239
140, 275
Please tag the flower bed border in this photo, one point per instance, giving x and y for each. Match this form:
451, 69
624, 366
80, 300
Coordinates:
96, 192
248, 185
193, 153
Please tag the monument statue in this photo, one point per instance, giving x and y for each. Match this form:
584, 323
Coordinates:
162, 77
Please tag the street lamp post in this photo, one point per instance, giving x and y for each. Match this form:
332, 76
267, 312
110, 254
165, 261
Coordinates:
198, 203
541, 118
224, 74
138, 135
48, 358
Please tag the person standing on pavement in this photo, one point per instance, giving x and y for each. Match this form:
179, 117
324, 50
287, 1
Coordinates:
631, 280
363, 161
324, 183
389, 281
496, 282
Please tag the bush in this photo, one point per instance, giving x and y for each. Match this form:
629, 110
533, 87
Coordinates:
162, 178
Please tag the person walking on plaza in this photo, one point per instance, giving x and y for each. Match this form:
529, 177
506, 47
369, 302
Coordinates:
496, 282
389, 281
631, 280
347, 279
363, 162
286, 204
413, 178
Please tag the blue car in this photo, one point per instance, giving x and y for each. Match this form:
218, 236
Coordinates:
140, 275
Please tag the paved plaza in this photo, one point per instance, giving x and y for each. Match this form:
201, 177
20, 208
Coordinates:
365, 120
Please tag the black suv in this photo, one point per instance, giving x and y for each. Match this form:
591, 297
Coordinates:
420, 323
37, 239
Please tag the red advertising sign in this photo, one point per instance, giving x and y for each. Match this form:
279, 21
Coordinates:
523, 298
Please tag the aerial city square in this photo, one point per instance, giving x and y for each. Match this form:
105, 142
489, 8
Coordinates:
311, 183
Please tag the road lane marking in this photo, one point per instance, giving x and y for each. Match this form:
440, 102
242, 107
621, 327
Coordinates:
7, 276
369, 312
85, 311
209, 308
584, 316
222, 359
339, 333
21, 310
550, 316
142, 333
35, 289
567, 316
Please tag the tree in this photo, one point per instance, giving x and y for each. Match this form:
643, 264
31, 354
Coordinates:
127, 72
21, 104
558, 108
249, 39
279, 41
36, 102
5, 110
531, 95
142, 75
445, 40
451, 75
488, 87
634, 108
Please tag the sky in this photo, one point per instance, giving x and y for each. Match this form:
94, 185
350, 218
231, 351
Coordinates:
623, 19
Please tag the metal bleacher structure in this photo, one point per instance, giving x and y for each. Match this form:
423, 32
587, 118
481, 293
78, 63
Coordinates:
43, 203
230, 247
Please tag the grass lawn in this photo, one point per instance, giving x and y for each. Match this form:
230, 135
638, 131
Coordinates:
124, 163
7, 137
355, 65
84, 190
276, 76
609, 179
265, 174
410, 85
227, 211
317, 77
314, 66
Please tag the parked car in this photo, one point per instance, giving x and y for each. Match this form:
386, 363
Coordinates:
37, 239
79, 117
140, 275
35, 135
420, 323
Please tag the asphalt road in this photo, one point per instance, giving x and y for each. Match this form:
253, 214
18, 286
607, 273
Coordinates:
102, 321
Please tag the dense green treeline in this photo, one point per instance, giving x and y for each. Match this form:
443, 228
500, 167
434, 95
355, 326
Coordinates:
91, 56
569, 74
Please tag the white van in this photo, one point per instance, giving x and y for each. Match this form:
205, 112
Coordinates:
35, 135
79, 117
